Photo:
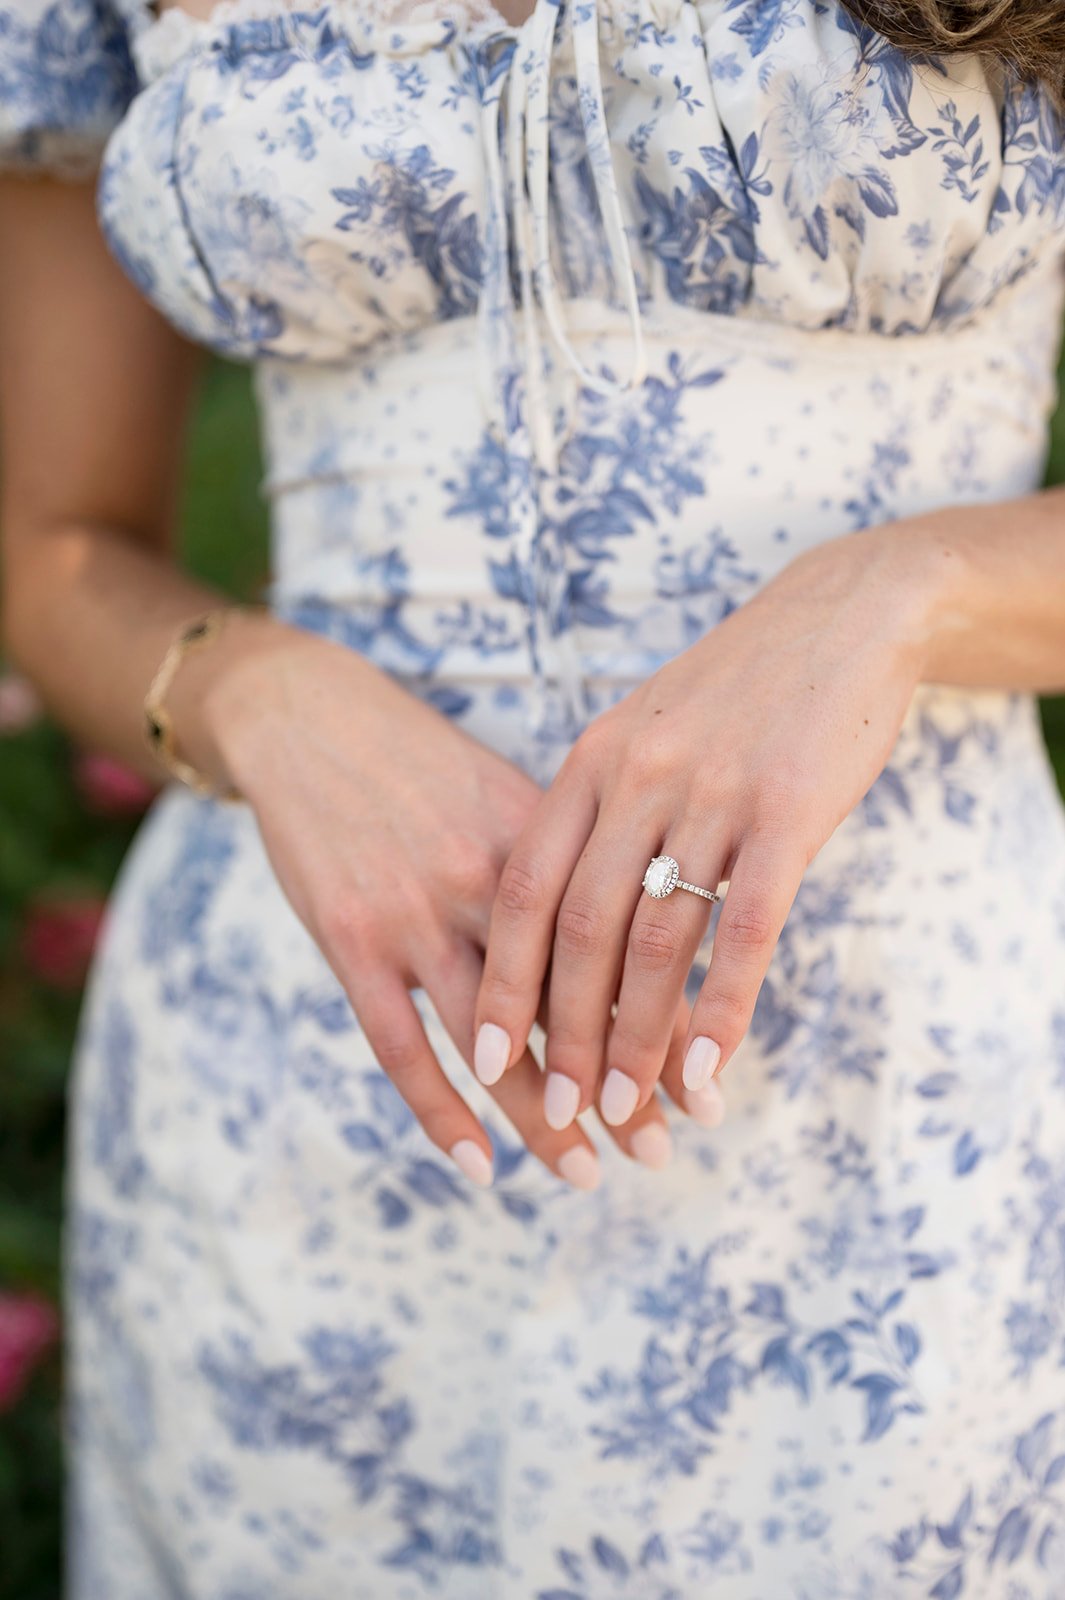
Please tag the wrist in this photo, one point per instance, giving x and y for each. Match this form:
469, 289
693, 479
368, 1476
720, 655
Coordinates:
908, 577
224, 697
932, 578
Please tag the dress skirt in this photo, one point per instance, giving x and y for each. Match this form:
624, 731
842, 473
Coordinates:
820, 1356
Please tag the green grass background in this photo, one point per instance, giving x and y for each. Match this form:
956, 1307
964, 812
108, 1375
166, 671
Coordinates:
48, 844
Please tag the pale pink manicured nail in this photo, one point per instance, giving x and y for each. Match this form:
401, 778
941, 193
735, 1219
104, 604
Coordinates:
702, 1057
652, 1146
472, 1162
580, 1167
706, 1105
618, 1099
561, 1098
491, 1052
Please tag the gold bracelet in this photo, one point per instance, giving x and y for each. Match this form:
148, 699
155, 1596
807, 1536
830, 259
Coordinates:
158, 727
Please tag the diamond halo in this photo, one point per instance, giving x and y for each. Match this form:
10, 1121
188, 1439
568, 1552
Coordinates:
661, 876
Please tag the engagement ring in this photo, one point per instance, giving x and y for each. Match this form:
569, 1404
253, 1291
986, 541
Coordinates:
663, 876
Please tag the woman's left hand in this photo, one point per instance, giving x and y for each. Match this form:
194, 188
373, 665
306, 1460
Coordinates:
739, 758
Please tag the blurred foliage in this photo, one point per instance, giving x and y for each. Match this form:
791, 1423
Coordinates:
54, 851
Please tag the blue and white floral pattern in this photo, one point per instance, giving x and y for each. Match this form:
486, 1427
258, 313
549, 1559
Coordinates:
66, 76
567, 337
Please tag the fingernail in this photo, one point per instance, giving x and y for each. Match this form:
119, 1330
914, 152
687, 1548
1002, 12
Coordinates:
618, 1099
652, 1146
580, 1167
702, 1057
706, 1105
561, 1098
491, 1052
472, 1162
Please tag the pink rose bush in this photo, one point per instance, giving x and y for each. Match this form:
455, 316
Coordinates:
109, 788
29, 1327
59, 937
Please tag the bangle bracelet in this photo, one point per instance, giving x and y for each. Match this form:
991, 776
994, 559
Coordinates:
158, 727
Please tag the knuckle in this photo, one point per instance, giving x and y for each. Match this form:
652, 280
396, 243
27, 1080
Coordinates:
654, 945
449, 959
652, 763
579, 927
500, 988
748, 930
568, 1037
636, 1054
441, 1125
472, 873
780, 800
593, 742
575, 1056
345, 926
396, 1052
731, 1011
410, 904
520, 890
775, 797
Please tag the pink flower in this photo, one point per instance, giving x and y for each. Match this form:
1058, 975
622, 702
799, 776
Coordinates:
110, 788
29, 1325
58, 939
19, 706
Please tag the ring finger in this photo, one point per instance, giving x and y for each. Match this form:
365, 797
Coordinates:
663, 939
645, 1137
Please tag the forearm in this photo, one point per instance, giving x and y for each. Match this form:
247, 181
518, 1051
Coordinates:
988, 586
88, 614
96, 392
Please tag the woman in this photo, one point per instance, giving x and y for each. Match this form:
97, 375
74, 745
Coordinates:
655, 402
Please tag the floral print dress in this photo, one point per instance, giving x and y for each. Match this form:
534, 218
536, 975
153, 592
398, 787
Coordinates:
566, 337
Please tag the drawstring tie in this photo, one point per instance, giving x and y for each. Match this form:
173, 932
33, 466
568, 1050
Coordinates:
517, 381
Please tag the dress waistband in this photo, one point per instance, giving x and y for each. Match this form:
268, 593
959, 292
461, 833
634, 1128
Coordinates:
315, 416
358, 422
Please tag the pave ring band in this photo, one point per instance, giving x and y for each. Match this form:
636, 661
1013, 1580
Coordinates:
663, 876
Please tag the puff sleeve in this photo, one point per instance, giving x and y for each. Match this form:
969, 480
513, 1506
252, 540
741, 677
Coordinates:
66, 78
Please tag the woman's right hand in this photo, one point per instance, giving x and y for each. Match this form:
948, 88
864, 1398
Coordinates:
388, 826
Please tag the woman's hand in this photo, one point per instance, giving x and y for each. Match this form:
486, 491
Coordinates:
738, 758
387, 827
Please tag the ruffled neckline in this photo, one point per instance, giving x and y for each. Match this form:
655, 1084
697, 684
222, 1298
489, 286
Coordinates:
387, 27
160, 41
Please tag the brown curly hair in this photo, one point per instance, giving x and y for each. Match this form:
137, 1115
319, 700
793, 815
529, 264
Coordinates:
1028, 35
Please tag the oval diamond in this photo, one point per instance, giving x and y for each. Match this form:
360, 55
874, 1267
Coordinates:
660, 876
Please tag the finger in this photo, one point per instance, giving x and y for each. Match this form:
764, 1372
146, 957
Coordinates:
645, 1137
706, 1106
664, 935
762, 889
522, 924
590, 933
519, 1093
568, 1153
397, 1036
